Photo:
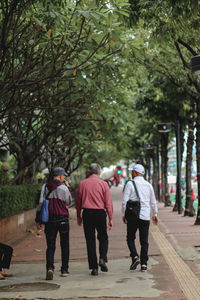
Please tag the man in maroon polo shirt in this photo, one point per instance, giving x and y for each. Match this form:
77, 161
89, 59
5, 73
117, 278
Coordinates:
95, 201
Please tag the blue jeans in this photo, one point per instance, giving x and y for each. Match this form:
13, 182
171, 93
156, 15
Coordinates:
51, 230
143, 226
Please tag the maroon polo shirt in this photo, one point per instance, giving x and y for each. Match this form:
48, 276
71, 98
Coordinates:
94, 193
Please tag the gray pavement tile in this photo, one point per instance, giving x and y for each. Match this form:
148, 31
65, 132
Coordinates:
118, 282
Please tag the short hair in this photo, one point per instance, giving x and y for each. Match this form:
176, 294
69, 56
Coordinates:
94, 168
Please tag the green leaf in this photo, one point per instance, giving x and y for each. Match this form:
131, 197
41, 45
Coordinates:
31, 42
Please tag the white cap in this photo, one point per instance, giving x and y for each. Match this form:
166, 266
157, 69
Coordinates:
138, 168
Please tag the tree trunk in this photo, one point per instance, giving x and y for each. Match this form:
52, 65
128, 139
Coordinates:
149, 167
197, 222
155, 175
144, 162
24, 163
164, 164
189, 209
181, 141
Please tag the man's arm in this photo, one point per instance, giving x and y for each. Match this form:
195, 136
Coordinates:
108, 206
126, 196
153, 206
65, 194
79, 205
69, 195
110, 224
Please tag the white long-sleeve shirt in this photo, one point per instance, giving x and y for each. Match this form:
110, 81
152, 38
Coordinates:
147, 197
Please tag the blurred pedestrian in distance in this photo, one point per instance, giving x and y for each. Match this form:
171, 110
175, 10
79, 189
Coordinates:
118, 175
147, 202
59, 197
93, 204
6, 252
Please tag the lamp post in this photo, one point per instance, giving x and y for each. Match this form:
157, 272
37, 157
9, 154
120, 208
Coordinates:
158, 163
166, 127
150, 146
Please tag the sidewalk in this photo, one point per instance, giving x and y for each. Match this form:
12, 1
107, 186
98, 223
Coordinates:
167, 269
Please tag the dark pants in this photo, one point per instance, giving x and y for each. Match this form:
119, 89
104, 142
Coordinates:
51, 230
143, 226
5, 256
95, 219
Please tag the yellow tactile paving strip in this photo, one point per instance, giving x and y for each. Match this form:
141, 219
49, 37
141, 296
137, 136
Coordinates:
188, 281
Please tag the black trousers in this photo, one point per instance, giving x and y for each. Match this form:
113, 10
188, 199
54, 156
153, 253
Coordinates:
51, 230
5, 256
95, 220
143, 227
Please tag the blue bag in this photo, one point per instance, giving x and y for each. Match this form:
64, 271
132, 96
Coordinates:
44, 213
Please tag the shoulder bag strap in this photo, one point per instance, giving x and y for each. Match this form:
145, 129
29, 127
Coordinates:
136, 190
45, 189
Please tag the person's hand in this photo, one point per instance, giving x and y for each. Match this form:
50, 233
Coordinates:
66, 183
155, 220
124, 220
110, 224
79, 221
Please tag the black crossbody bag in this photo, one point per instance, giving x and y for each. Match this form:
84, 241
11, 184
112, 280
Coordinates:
133, 207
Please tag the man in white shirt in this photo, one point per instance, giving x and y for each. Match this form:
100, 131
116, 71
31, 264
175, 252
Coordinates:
147, 202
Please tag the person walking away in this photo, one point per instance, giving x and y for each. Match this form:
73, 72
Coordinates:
93, 204
6, 252
147, 202
59, 198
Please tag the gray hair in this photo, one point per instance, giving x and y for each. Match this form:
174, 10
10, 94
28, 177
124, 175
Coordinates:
94, 168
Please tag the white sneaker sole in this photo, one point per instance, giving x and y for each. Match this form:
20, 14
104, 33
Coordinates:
64, 275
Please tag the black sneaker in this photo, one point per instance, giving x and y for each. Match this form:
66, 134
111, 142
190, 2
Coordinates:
102, 265
64, 273
143, 268
49, 275
135, 263
94, 272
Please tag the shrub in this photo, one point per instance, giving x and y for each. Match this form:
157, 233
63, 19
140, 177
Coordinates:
17, 198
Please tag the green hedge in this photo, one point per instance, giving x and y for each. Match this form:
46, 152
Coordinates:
17, 198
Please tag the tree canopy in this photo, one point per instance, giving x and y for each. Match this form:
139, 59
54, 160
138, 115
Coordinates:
81, 80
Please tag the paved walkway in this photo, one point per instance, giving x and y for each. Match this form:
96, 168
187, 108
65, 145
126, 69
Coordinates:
173, 269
